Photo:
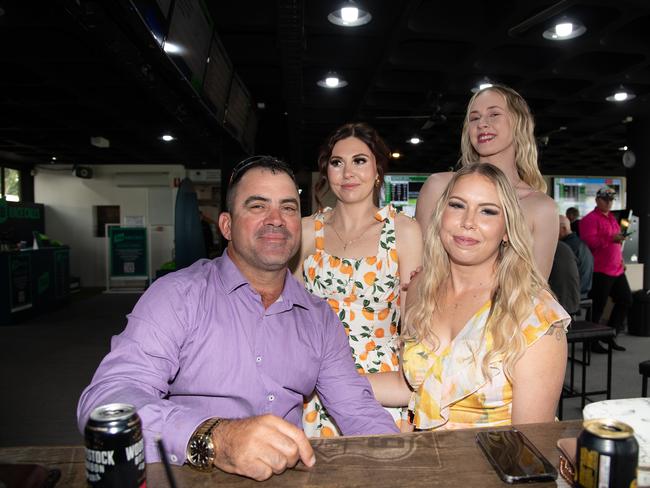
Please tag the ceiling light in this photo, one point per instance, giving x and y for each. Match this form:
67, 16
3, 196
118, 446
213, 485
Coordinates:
564, 29
482, 85
622, 148
620, 96
415, 140
349, 14
261, 105
332, 80
167, 137
53, 158
171, 48
99, 141
395, 155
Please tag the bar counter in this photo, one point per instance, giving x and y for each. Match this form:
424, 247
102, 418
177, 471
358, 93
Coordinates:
443, 458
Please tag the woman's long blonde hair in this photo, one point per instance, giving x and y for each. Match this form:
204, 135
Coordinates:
523, 132
516, 278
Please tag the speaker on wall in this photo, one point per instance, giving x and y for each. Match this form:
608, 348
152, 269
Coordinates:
83, 172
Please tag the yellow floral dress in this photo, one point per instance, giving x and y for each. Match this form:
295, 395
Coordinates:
449, 389
364, 293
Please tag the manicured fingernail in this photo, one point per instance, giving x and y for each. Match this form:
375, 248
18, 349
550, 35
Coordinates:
312, 461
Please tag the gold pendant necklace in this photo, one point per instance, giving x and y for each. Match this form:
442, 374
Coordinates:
352, 241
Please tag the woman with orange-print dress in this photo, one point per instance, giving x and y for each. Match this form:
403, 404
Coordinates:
354, 255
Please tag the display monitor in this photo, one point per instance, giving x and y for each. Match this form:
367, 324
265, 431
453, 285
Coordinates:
580, 192
402, 191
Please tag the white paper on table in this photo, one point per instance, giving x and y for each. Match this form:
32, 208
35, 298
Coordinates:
635, 412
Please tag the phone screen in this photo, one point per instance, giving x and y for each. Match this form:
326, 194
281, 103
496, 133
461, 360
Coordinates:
514, 457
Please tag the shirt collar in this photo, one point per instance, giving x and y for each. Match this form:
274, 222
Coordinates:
231, 279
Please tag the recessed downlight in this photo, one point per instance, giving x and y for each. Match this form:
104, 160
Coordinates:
564, 29
167, 137
349, 14
332, 80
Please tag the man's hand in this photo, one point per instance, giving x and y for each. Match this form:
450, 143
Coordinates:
619, 238
258, 447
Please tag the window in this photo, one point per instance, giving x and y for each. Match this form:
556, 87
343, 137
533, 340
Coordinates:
10, 184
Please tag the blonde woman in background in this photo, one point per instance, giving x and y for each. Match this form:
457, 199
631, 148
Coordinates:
355, 255
499, 129
484, 340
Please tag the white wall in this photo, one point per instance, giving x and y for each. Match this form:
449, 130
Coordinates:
69, 205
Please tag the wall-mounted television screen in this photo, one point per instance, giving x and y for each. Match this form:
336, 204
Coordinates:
402, 191
580, 192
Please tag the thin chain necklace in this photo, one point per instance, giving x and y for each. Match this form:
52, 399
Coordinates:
351, 241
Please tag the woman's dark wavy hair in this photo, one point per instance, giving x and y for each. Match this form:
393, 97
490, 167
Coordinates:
363, 132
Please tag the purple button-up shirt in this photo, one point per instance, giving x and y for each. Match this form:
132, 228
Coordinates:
200, 344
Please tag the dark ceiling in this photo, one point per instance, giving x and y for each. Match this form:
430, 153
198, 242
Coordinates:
76, 69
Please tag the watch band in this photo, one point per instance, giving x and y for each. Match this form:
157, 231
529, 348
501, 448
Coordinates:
200, 448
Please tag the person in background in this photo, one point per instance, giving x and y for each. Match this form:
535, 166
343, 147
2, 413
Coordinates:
600, 230
355, 256
565, 279
573, 214
484, 340
222, 353
582, 253
499, 129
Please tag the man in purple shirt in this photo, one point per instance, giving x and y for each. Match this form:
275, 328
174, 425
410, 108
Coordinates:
218, 356
600, 230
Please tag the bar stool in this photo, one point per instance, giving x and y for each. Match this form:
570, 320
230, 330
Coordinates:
644, 370
586, 333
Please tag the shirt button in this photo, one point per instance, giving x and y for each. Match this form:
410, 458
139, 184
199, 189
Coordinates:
271, 398
258, 359
173, 458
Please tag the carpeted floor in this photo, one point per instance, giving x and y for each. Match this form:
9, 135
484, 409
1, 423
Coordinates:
47, 361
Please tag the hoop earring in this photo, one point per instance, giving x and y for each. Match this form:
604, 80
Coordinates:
377, 183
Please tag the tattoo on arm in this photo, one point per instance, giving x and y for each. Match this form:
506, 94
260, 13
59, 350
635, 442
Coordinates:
558, 330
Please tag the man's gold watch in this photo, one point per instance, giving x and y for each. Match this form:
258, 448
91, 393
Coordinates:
200, 450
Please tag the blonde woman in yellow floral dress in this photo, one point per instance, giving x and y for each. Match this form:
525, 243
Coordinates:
484, 340
355, 255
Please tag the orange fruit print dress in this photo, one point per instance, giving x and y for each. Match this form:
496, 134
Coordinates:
364, 293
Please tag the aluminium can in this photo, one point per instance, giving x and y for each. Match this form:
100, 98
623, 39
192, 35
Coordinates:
607, 455
115, 448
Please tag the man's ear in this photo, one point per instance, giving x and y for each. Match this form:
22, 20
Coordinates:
225, 223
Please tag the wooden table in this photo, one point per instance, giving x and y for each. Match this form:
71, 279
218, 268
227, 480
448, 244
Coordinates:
444, 458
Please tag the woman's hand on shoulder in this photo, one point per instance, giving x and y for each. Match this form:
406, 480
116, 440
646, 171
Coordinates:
429, 195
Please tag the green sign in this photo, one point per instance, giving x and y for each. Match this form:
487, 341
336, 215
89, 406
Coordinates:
19, 282
17, 211
128, 252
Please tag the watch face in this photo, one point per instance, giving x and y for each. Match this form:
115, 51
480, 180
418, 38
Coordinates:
201, 452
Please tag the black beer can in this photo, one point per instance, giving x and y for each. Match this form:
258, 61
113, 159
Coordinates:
607, 455
114, 447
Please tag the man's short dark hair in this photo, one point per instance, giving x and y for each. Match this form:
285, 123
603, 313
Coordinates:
241, 168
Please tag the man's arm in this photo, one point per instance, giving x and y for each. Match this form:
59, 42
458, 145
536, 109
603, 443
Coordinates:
590, 235
346, 394
143, 360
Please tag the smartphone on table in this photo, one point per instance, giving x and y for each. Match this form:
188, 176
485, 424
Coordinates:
514, 458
